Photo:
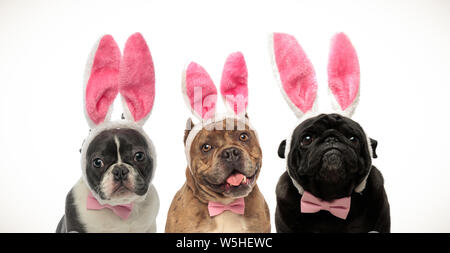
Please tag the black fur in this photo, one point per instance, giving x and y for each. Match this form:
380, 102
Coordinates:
70, 222
374, 144
281, 149
330, 167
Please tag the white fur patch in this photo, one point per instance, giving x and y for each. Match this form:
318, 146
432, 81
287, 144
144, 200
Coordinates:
108, 184
229, 222
116, 140
142, 218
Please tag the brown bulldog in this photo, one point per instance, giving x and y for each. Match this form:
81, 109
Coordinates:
224, 158
224, 166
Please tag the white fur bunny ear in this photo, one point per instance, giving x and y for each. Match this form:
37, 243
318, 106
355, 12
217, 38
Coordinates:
294, 73
199, 91
137, 79
233, 85
343, 75
102, 75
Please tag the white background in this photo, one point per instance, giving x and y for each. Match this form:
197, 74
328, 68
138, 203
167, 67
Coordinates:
404, 53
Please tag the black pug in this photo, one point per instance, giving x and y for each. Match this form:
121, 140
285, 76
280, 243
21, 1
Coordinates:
330, 184
329, 157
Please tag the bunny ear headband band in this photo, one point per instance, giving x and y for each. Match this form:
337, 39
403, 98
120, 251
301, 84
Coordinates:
296, 77
109, 73
200, 95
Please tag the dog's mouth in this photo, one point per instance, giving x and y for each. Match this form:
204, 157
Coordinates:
121, 189
332, 166
235, 182
237, 179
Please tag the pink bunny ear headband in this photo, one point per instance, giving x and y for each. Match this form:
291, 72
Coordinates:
108, 73
200, 95
297, 80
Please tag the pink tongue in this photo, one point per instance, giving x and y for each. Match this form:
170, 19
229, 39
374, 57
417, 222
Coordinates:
235, 179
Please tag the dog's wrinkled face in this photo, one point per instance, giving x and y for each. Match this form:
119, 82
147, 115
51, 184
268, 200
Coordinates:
119, 165
226, 163
329, 155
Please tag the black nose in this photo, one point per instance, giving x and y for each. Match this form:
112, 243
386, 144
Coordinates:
120, 173
231, 154
331, 139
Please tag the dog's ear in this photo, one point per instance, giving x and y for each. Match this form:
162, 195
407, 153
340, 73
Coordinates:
281, 149
189, 126
246, 116
374, 144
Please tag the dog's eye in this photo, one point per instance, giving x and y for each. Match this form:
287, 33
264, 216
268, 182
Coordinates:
97, 163
307, 139
139, 157
243, 137
353, 139
206, 147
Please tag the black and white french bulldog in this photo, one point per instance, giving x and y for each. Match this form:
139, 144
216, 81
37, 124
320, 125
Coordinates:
118, 160
330, 184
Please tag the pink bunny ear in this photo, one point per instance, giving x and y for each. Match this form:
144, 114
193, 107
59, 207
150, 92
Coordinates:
295, 72
137, 79
233, 85
102, 86
343, 73
199, 91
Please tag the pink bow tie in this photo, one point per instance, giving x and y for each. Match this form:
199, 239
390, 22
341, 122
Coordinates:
216, 208
123, 211
338, 207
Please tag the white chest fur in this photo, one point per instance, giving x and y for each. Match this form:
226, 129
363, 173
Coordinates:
142, 218
229, 222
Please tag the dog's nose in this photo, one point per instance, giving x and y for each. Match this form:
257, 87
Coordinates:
231, 154
331, 139
120, 173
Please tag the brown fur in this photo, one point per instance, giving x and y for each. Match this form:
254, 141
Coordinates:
189, 209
